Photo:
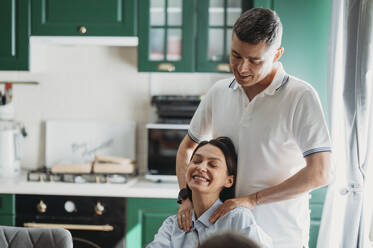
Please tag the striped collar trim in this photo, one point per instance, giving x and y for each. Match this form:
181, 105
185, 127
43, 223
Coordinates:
234, 85
284, 81
279, 81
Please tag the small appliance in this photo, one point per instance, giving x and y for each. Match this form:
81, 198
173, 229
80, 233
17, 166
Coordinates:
11, 153
175, 109
174, 113
163, 143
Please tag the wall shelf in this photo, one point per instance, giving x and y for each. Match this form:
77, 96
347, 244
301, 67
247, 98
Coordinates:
129, 41
20, 82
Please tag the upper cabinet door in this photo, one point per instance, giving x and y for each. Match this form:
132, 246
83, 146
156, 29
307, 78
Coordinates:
166, 37
83, 17
214, 32
14, 34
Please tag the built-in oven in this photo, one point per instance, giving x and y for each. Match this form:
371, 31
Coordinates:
94, 222
163, 143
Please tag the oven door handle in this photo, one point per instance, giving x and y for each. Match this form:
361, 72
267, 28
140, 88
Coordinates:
105, 228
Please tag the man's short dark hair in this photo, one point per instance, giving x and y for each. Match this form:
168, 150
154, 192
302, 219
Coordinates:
258, 25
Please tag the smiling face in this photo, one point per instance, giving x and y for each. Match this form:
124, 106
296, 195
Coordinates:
251, 63
207, 171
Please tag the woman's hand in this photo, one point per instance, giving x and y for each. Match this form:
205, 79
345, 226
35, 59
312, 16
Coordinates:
184, 215
245, 201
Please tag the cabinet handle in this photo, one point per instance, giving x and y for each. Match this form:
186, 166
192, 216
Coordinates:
82, 30
166, 67
223, 68
105, 228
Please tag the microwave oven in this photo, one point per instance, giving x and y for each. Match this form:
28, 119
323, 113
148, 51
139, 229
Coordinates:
163, 141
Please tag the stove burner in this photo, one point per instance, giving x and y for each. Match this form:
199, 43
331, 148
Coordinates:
45, 175
116, 179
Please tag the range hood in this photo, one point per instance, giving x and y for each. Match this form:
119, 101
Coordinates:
129, 41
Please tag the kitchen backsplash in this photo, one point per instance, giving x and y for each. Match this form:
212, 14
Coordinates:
96, 83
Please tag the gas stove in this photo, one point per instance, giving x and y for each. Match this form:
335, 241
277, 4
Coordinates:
45, 175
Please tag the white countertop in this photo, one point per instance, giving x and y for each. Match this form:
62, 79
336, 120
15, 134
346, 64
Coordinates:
137, 187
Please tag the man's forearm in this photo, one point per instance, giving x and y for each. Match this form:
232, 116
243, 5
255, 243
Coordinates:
182, 159
314, 175
181, 164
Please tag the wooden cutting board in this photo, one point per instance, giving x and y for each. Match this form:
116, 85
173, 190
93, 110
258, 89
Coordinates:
72, 168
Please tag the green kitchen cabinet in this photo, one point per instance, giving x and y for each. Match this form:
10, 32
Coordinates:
144, 217
83, 17
166, 35
7, 210
14, 34
187, 36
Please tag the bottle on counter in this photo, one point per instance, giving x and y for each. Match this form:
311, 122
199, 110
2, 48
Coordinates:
6, 106
8, 93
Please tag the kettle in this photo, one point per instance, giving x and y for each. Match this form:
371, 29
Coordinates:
11, 153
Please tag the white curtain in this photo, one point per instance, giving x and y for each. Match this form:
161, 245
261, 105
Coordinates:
347, 209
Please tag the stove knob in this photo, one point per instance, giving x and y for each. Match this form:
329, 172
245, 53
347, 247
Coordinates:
70, 206
41, 207
99, 208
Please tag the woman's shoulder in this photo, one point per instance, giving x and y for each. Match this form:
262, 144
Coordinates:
169, 223
241, 210
240, 215
170, 220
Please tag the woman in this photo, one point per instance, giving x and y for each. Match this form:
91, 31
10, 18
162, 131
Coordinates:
210, 178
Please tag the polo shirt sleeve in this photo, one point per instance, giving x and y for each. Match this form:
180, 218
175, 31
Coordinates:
163, 238
201, 123
309, 126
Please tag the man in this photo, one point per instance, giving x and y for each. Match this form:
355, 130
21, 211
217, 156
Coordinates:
277, 125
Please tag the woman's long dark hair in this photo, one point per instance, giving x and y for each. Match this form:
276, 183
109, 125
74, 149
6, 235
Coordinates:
225, 144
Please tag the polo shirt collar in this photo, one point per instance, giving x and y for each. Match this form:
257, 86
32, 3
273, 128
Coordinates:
280, 79
233, 85
204, 218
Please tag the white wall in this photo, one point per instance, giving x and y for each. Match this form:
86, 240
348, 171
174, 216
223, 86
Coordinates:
86, 82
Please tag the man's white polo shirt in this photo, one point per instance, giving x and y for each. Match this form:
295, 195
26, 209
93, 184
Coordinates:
272, 135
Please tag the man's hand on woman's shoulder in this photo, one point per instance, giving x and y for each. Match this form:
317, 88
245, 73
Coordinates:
184, 215
244, 201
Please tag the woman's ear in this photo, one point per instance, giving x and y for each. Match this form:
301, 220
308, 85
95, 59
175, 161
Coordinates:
229, 181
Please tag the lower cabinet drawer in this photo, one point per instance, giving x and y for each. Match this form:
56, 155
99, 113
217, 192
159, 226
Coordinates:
144, 217
7, 205
7, 220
